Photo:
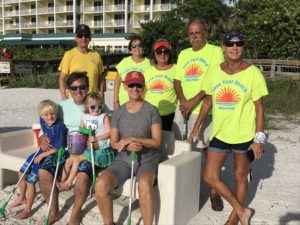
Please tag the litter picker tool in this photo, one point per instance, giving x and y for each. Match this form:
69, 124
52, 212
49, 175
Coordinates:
185, 128
132, 156
90, 132
2, 209
59, 156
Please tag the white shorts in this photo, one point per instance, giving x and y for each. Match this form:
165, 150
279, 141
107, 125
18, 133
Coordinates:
205, 128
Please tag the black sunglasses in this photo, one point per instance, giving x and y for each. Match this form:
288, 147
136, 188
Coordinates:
94, 107
135, 85
162, 51
86, 36
232, 43
137, 46
81, 87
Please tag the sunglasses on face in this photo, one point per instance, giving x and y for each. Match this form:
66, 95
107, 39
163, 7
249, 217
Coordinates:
80, 87
136, 45
86, 36
232, 43
162, 51
94, 107
135, 85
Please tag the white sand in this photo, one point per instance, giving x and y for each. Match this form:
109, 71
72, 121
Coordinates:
274, 192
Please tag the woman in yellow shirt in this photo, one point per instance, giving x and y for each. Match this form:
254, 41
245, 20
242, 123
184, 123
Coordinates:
160, 90
235, 91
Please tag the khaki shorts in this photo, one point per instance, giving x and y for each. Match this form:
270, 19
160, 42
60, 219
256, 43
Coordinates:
205, 128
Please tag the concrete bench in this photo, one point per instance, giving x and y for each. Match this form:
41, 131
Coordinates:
178, 184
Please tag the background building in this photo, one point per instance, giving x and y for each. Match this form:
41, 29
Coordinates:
62, 16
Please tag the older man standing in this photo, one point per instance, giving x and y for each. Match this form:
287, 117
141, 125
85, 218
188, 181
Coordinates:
82, 59
192, 65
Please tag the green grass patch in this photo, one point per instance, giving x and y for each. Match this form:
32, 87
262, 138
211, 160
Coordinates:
284, 97
47, 81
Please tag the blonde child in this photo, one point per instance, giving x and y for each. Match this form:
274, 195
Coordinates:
56, 133
96, 119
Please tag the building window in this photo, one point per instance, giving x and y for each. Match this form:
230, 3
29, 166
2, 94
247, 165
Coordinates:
119, 2
33, 19
147, 17
33, 32
69, 5
118, 49
98, 4
51, 31
32, 6
51, 5
98, 31
69, 30
119, 30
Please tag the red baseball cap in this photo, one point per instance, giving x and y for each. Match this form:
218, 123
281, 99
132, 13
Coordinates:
161, 43
134, 77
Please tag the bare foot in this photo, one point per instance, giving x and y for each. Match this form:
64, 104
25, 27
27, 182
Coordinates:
17, 202
245, 215
23, 215
63, 186
51, 220
232, 219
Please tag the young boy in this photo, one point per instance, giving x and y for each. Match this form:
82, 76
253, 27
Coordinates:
56, 133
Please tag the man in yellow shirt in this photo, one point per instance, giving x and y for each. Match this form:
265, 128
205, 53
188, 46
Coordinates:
82, 59
192, 66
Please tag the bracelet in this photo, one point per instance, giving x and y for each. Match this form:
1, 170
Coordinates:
260, 137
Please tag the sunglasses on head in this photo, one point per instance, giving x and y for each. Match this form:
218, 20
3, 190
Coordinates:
135, 85
80, 87
232, 43
94, 107
162, 51
86, 36
136, 45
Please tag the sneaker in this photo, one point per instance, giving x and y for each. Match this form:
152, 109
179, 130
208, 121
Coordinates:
216, 202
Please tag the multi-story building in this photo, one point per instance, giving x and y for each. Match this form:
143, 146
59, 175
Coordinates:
62, 16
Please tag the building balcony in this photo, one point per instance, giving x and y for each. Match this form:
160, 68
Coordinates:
64, 9
64, 23
93, 9
45, 10
12, 26
113, 8
114, 23
98, 23
136, 23
28, 25
27, 0
24, 12
48, 24
156, 7
10, 2
11, 13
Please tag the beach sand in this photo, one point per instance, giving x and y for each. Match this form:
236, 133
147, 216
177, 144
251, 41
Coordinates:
274, 192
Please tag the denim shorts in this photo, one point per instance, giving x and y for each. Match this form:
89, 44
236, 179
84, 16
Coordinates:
216, 145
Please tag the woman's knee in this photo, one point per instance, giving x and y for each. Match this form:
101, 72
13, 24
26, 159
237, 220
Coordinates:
241, 175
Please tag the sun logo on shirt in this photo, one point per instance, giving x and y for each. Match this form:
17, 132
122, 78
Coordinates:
193, 70
227, 96
158, 86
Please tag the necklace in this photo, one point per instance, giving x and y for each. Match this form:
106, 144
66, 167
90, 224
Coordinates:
235, 69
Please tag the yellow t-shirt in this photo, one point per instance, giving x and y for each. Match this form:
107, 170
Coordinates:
192, 66
160, 89
124, 67
76, 61
233, 98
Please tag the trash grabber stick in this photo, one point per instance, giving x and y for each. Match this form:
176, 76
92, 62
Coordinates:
59, 156
185, 128
132, 156
90, 132
2, 209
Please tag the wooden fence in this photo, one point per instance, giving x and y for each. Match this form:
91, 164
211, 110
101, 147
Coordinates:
275, 68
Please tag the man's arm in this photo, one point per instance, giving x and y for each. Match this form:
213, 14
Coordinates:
62, 85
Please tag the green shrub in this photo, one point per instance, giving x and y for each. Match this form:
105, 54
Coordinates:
284, 96
48, 80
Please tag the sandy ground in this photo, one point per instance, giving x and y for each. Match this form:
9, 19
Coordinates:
274, 192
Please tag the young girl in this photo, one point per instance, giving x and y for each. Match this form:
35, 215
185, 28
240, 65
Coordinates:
103, 156
56, 133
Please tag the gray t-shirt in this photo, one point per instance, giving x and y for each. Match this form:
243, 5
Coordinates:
136, 125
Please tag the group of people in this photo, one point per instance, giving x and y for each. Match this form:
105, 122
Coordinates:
221, 100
